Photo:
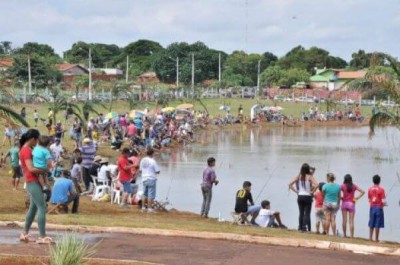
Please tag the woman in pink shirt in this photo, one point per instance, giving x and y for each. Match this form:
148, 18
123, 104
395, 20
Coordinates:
349, 203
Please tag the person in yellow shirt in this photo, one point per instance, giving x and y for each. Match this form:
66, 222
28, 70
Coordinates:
50, 116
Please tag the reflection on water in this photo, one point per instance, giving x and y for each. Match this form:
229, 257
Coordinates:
272, 157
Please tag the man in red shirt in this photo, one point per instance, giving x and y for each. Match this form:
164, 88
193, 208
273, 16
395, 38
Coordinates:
125, 175
377, 200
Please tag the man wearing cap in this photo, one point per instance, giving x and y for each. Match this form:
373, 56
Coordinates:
94, 170
56, 149
89, 150
64, 193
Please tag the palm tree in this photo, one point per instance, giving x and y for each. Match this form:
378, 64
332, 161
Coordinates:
119, 89
386, 116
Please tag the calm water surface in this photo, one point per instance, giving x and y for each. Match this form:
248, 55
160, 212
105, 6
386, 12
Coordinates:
270, 158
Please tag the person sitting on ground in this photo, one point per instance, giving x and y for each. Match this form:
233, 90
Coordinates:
266, 217
244, 202
64, 192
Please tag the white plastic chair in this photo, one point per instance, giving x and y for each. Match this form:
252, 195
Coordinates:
116, 193
100, 189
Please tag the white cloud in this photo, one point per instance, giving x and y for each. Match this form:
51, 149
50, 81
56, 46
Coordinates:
341, 27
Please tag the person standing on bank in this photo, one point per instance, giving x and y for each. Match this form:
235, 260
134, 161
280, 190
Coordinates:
305, 187
209, 178
150, 170
34, 188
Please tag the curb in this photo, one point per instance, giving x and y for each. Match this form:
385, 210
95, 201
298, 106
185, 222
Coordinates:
89, 259
284, 242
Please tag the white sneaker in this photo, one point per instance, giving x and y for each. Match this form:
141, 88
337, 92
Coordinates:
144, 210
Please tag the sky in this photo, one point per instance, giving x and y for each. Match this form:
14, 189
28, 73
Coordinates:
341, 27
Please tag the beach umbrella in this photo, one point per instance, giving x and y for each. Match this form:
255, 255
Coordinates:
225, 108
136, 114
168, 109
111, 115
182, 111
185, 106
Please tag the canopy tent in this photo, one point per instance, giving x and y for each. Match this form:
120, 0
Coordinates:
253, 111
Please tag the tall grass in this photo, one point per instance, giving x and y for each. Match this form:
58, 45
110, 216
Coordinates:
70, 250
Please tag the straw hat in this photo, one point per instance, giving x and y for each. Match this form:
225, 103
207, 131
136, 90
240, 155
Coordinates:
104, 160
97, 158
87, 140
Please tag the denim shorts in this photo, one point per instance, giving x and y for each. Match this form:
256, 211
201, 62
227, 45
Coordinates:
127, 186
253, 209
149, 188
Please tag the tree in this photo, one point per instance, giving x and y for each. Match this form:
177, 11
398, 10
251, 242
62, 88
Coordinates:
40, 50
275, 75
6, 48
206, 62
103, 55
41, 70
360, 60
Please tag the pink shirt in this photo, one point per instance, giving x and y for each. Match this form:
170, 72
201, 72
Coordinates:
131, 129
348, 196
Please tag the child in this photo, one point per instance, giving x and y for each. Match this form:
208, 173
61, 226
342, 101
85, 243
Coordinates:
42, 159
266, 217
319, 208
13, 153
35, 117
76, 174
377, 200
57, 169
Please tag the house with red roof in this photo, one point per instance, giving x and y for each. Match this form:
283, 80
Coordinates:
335, 79
5, 64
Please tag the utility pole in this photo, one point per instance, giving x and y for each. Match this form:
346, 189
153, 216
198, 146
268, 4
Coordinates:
29, 76
177, 72
127, 69
90, 74
258, 78
219, 72
193, 75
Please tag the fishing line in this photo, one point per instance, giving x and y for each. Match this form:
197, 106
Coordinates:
266, 183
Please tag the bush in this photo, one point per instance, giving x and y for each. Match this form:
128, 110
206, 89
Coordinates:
70, 250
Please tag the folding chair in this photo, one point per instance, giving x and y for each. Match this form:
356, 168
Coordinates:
100, 188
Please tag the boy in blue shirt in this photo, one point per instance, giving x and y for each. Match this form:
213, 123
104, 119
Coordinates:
42, 158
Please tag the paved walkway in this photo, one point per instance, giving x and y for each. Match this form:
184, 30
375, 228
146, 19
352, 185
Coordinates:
178, 250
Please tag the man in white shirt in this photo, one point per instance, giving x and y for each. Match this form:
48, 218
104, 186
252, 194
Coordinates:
266, 217
56, 149
149, 169
105, 175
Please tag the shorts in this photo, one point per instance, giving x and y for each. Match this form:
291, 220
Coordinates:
331, 208
127, 186
376, 217
349, 206
253, 209
17, 172
320, 214
149, 188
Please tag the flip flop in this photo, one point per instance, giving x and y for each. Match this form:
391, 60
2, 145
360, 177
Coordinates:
26, 238
45, 240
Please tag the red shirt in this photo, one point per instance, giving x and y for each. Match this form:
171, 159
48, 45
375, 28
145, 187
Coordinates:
25, 154
319, 199
124, 174
376, 196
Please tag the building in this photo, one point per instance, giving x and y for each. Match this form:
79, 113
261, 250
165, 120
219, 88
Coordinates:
5, 64
335, 79
148, 78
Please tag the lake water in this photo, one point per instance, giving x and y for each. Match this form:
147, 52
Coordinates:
270, 158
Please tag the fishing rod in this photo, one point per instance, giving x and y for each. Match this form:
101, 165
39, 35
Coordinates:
266, 183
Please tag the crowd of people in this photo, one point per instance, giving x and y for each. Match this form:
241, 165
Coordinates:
42, 160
